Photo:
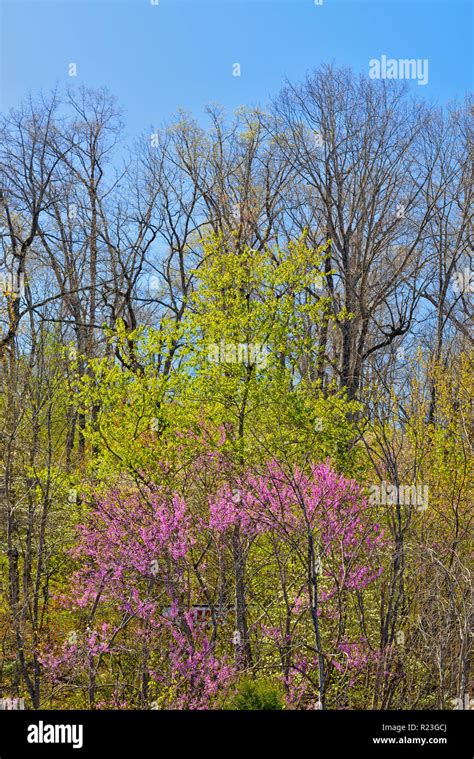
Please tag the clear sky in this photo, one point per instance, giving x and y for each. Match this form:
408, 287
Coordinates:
180, 54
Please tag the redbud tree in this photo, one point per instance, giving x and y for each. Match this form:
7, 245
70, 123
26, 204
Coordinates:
148, 560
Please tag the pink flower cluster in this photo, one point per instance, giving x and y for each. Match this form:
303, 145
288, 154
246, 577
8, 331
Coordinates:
136, 557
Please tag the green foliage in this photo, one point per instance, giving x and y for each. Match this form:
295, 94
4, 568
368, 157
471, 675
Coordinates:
256, 695
235, 385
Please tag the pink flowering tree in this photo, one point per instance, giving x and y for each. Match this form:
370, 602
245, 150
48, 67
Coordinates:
133, 554
327, 525
156, 604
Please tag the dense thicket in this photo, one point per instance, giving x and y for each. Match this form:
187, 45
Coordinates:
235, 403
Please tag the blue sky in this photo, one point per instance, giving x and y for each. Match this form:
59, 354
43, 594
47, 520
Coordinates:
179, 54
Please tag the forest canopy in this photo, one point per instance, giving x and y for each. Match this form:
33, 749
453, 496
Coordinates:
235, 402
